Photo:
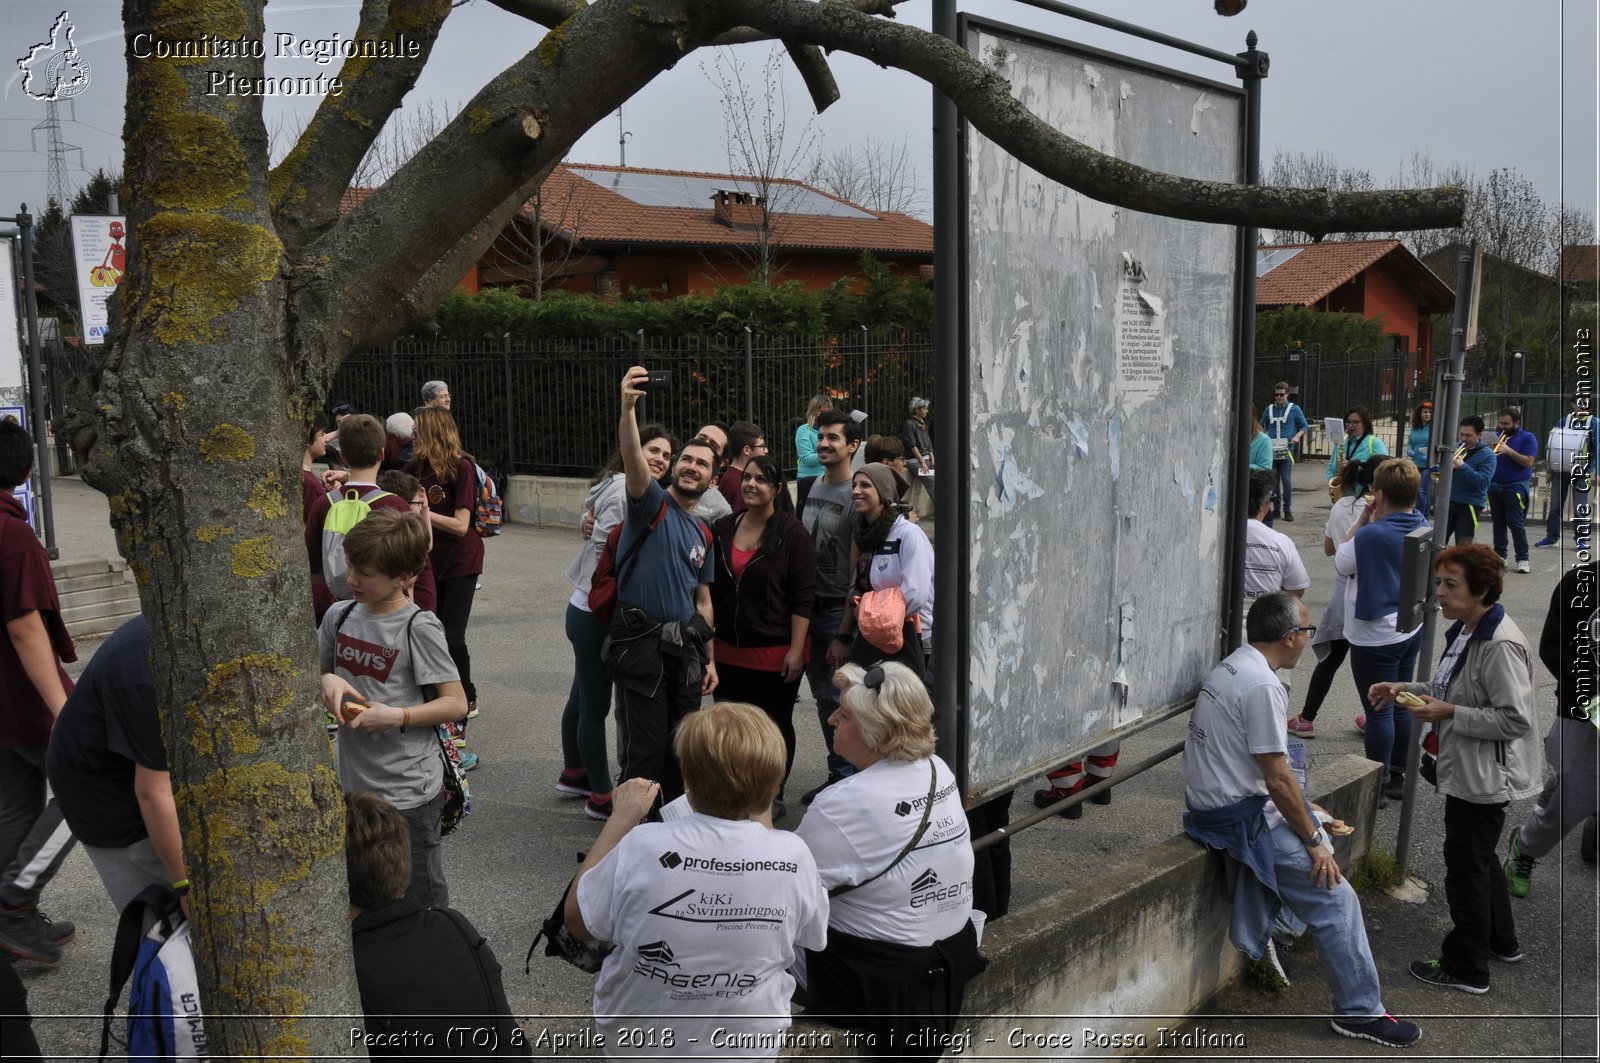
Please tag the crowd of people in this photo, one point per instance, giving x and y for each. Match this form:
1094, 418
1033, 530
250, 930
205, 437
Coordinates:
704, 573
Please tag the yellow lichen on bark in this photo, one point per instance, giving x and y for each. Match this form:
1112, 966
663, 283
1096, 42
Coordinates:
228, 443
210, 533
253, 558
201, 266
267, 497
479, 119
207, 167
242, 698
174, 401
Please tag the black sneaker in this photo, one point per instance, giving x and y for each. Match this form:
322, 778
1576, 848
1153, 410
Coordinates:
811, 795
1395, 788
28, 933
1431, 972
1288, 518
1511, 955
573, 784
1103, 797
1385, 1030
1055, 795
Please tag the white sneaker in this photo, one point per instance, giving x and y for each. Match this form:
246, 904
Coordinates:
1522, 566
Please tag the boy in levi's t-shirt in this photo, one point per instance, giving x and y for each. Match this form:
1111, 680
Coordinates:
380, 655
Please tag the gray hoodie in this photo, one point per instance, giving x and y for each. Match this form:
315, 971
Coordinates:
607, 500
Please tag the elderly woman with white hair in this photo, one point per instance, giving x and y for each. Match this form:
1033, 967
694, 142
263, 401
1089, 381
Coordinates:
893, 848
919, 446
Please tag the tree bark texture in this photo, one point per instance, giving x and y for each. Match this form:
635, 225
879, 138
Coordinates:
245, 289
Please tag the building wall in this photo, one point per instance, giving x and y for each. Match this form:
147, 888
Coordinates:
1387, 298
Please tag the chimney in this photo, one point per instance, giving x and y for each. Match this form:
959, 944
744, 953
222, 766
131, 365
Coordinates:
739, 211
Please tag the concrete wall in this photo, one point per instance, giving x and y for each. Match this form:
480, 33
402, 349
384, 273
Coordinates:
546, 500
1150, 939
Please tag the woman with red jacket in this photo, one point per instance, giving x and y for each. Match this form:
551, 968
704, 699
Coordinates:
765, 584
450, 477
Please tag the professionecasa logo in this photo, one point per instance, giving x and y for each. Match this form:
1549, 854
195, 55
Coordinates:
54, 69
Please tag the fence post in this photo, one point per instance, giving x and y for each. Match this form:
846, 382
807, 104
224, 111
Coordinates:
511, 410
394, 375
749, 375
864, 335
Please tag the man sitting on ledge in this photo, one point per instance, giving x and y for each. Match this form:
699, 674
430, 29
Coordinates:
1236, 759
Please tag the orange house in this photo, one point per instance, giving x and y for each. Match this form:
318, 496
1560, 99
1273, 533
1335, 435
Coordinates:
1374, 278
611, 230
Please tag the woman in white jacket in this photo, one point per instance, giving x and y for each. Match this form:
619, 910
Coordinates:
1480, 705
586, 772
889, 552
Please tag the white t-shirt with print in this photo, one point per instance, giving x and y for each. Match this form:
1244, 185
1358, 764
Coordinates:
708, 915
857, 826
1271, 562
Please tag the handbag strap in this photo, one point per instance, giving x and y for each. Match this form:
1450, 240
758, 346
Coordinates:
922, 828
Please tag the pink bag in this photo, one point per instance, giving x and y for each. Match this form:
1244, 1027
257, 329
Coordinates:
881, 618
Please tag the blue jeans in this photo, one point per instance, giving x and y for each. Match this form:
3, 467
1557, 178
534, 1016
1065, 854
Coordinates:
1559, 486
1508, 507
1388, 732
1283, 473
824, 626
1425, 492
1334, 917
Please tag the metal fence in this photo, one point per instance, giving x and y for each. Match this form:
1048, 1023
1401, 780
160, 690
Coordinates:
1326, 385
550, 407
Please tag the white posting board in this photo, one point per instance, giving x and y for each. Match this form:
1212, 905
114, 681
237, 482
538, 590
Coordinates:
11, 374
1100, 350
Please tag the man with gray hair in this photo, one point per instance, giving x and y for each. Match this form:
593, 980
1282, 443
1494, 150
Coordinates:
1243, 799
400, 433
436, 393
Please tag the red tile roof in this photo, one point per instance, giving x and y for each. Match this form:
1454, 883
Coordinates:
591, 215
1322, 268
1580, 263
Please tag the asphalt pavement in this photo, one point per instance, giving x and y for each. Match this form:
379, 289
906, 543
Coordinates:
509, 861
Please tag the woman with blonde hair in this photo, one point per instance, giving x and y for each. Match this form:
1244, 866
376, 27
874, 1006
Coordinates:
892, 846
450, 477
805, 439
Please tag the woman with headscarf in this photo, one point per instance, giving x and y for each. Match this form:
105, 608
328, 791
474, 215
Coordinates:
891, 555
895, 853
766, 582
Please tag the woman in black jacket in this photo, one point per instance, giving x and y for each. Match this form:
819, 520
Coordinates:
765, 584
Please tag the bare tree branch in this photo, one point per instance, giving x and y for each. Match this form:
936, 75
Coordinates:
308, 183
985, 100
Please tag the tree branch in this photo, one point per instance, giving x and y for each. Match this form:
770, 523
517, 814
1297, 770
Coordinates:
308, 184
813, 67
985, 100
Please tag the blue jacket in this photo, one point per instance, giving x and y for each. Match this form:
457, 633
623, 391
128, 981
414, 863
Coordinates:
1240, 830
1509, 473
1379, 550
1471, 483
1283, 422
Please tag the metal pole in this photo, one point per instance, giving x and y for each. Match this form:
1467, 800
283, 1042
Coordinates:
1451, 410
864, 402
951, 429
1251, 68
749, 375
394, 373
511, 411
41, 474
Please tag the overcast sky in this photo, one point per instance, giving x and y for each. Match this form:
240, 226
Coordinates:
1487, 83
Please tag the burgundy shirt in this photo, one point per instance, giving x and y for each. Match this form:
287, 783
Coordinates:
424, 593
731, 484
453, 555
310, 488
26, 586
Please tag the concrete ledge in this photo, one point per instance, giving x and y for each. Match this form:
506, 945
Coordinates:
554, 500
1150, 939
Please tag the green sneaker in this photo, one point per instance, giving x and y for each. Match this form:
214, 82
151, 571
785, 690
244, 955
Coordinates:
1519, 868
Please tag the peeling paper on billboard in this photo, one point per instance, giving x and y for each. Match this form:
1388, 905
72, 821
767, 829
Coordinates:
1144, 343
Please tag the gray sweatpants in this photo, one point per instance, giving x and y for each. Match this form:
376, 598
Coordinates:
34, 839
1570, 794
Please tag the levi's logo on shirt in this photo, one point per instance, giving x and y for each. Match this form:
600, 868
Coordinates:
364, 658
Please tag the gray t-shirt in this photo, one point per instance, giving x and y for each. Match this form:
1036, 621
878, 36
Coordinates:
1241, 712
662, 578
372, 655
830, 517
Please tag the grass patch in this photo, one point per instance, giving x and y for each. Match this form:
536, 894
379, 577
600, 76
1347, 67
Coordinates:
1380, 871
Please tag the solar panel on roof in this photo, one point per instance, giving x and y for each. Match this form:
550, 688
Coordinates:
1267, 261
695, 193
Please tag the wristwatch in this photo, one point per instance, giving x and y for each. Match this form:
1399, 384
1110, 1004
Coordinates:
1318, 839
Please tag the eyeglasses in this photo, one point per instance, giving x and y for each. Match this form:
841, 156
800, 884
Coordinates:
1309, 629
1352, 421
873, 679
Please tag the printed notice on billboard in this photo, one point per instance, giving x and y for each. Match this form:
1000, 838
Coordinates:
98, 251
1144, 347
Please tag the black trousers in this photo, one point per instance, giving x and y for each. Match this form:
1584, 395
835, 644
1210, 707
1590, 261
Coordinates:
1474, 886
455, 609
768, 692
649, 721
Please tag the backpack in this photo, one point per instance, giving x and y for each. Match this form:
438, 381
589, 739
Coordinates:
603, 584
351, 509
152, 949
489, 514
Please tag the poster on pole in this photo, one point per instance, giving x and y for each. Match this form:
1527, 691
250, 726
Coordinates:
101, 259
24, 491
10, 335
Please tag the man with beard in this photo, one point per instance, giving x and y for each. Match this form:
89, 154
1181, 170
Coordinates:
659, 647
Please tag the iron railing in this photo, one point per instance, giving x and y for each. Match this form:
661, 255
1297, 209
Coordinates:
550, 407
